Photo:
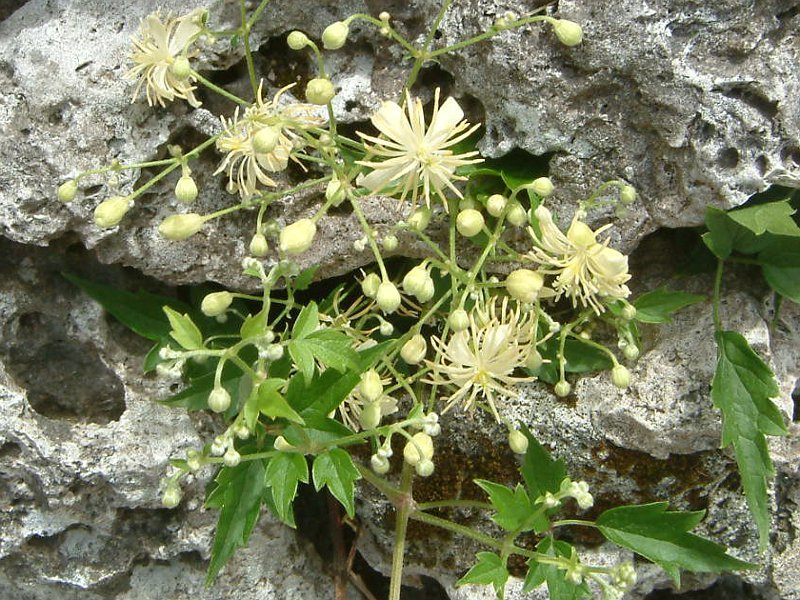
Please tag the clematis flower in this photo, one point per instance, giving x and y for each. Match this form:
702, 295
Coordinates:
479, 361
417, 155
586, 271
262, 141
155, 51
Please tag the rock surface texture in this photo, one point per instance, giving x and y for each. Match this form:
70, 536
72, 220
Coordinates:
694, 103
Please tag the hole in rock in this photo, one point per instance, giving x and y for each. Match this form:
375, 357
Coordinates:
728, 158
727, 587
796, 403
64, 378
7, 7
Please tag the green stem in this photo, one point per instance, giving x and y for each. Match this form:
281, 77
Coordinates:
573, 522
248, 55
370, 238
257, 13
222, 92
454, 504
404, 510
491, 32
423, 55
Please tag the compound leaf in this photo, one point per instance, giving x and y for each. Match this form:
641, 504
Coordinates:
283, 473
490, 569
335, 469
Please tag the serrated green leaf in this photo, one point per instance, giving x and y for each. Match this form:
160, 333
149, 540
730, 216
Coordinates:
489, 570
335, 353
307, 322
323, 394
283, 473
184, 331
557, 584
335, 469
140, 311
254, 325
663, 537
303, 359
513, 508
773, 217
781, 267
658, 305
742, 387
240, 504
726, 235
541, 473
272, 404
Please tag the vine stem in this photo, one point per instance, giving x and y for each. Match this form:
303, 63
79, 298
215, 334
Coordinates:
404, 510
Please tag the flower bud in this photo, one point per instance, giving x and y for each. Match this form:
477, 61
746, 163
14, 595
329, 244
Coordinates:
469, 222
370, 285
629, 312
186, 189
388, 297
297, 40
390, 243
568, 33
413, 351
517, 441
386, 328
274, 352
515, 214
542, 186
424, 467
231, 458
620, 376
384, 16
562, 389
371, 386
370, 416
265, 140
379, 464
181, 68
216, 303
219, 400
193, 461
496, 204
171, 497
631, 352
415, 279
335, 192
320, 91
110, 212
181, 227
427, 291
67, 191
297, 237
420, 218
258, 245
335, 35
420, 448
534, 360
627, 194
458, 320
281, 445
524, 285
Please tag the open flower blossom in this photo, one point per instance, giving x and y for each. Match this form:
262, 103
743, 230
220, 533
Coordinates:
155, 50
586, 271
416, 155
262, 141
480, 360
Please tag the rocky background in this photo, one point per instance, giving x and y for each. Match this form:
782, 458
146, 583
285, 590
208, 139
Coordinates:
694, 103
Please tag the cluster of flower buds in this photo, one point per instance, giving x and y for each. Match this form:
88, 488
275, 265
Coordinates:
419, 283
578, 490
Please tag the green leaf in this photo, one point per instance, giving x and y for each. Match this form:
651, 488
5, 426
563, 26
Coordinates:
557, 584
254, 325
490, 569
239, 501
541, 473
663, 537
141, 312
657, 306
580, 357
335, 352
283, 473
513, 507
742, 387
307, 322
323, 394
781, 267
304, 278
726, 235
335, 469
774, 217
184, 331
272, 404
195, 397
303, 359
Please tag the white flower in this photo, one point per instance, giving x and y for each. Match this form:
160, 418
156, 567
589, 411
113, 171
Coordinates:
480, 359
416, 155
586, 270
154, 52
245, 161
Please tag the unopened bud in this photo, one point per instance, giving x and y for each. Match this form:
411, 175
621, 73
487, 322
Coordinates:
562, 389
370, 285
534, 360
335, 192
110, 212
458, 320
386, 328
216, 303
67, 191
515, 214
388, 297
524, 285
181, 68
469, 222
496, 204
370, 416
265, 140
297, 237
419, 447
629, 312
231, 458
424, 467
171, 497
415, 279
335, 35
297, 40
371, 386
627, 194
181, 227
542, 186
631, 352
390, 243
219, 400
420, 219
384, 16
379, 464
620, 377
568, 33
186, 189
258, 245
517, 441
413, 351
320, 91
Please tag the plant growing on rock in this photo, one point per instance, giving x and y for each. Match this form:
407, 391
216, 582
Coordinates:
505, 296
